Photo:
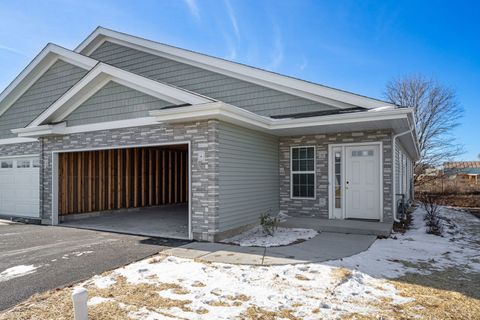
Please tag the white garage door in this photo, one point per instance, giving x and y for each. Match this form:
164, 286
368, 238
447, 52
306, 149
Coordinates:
19, 186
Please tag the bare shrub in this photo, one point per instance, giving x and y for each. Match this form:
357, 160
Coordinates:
269, 224
432, 218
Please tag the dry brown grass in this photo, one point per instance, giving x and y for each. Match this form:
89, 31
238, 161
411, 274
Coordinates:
140, 295
341, 274
429, 303
239, 297
57, 304
218, 303
257, 313
49, 305
107, 310
301, 277
156, 260
198, 284
201, 311
435, 303
180, 291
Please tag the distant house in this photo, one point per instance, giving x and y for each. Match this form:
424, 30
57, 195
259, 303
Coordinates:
451, 177
465, 174
192, 146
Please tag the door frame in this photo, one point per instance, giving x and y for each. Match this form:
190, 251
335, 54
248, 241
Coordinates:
331, 178
55, 168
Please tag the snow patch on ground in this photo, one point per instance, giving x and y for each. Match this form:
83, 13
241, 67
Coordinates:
282, 237
402, 253
17, 271
313, 289
97, 300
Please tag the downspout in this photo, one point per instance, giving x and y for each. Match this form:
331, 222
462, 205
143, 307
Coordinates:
394, 187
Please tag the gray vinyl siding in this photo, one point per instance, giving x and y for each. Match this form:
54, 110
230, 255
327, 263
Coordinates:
114, 102
243, 94
248, 176
403, 172
49, 87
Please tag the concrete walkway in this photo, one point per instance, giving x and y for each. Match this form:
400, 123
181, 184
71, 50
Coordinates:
323, 247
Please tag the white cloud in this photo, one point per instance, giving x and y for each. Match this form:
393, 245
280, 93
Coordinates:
13, 50
233, 18
193, 8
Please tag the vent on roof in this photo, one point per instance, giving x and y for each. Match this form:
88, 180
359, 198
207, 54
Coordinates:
318, 113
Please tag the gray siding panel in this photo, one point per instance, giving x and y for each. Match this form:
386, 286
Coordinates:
243, 94
114, 102
48, 88
248, 176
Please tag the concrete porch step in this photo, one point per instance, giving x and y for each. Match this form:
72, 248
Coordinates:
340, 226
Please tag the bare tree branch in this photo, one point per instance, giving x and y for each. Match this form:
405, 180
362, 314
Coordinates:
437, 114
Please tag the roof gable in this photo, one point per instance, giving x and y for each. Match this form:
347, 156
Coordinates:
114, 102
304, 89
37, 67
98, 77
53, 83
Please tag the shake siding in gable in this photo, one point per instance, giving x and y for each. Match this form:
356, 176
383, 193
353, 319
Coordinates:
248, 176
243, 94
114, 102
48, 88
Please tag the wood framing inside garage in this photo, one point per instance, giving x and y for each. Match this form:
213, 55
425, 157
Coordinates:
100, 180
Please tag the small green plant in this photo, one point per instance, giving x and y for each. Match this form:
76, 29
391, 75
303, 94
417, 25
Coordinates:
269, 224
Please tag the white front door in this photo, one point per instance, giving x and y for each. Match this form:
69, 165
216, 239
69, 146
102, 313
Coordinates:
362, 182
19, 187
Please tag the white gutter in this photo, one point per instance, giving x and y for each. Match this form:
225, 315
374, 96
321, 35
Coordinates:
394, 189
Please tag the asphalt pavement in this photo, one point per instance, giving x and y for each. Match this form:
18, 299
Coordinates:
36, 258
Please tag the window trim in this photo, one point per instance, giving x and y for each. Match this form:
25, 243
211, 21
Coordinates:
314, 172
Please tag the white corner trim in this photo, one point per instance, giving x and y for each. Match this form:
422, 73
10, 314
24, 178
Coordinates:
98, 77
37, 67
334, 97
16, 140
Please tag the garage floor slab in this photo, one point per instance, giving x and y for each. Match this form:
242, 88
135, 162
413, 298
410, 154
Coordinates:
168, 221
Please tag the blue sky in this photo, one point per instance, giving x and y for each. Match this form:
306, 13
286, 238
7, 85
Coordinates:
353, 45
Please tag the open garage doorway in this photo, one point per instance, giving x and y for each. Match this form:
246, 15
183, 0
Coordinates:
136, 190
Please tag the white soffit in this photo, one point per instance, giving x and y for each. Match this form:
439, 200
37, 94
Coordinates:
98, 77
334, 97
37, 67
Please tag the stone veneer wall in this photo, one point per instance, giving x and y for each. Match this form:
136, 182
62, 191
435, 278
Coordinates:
204, 174
319, 206
19, 149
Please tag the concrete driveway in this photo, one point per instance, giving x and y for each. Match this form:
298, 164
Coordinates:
37, 258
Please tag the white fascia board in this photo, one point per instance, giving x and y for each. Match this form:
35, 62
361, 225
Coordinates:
16, 140
98, 77
37, 67
340, 119
62, 129
301, 88
232, 114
